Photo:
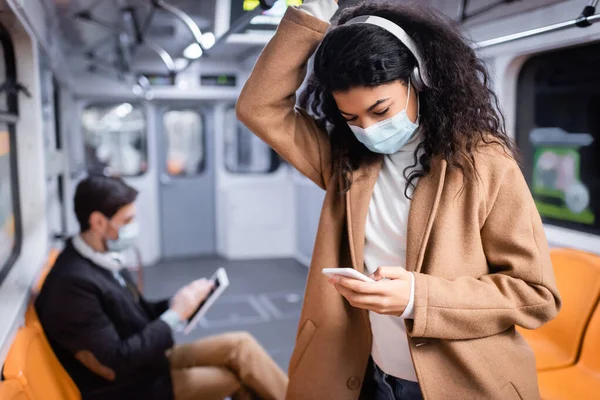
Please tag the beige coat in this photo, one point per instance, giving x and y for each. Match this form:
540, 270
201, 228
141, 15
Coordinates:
479, 256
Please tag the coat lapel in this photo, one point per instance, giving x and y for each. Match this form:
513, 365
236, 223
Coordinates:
423, 209
357, 205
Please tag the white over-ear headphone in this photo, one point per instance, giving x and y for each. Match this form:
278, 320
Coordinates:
419, 77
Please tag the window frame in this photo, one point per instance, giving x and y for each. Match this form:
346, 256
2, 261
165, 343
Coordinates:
275, 161
526, 89
10, 118
109, 103
61, 179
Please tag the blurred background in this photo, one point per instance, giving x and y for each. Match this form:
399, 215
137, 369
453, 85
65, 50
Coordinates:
146, 90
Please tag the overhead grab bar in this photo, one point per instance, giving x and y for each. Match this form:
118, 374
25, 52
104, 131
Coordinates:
139, 31
242, 22
462, 9
162, 53
183, 17
86, 15
587, 18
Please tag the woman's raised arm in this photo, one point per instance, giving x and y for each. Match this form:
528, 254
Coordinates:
267, 104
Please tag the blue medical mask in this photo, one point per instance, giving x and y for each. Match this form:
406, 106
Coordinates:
390, 135
128, 235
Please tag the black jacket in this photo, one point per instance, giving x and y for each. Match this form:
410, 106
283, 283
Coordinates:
88, 316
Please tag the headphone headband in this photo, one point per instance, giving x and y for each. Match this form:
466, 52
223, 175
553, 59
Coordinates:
398, 32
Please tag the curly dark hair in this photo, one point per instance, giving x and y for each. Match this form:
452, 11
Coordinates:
457, 111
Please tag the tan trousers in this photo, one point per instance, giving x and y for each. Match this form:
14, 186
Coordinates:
227, 365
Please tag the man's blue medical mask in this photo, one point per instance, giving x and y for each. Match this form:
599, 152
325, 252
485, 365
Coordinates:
388, 136
128, 235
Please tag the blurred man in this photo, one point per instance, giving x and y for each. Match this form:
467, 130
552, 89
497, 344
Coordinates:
113, 342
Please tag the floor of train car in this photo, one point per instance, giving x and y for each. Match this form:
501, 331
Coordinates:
264, 298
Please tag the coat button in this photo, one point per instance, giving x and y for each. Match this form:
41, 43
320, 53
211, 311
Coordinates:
353, 383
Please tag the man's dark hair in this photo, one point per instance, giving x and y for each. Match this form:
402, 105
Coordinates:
104, 194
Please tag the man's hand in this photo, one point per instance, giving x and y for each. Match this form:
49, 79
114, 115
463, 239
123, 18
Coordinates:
388, 297
187, 299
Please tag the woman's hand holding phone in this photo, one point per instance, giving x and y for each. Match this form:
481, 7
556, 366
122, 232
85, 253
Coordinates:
389, 295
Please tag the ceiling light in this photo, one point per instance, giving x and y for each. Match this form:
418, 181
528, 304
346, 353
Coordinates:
208, 40
137, 90
143, 82
181, 63
183, 84
193, 51
123, 110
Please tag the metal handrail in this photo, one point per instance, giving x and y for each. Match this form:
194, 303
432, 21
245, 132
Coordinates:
243, 21
163, 54
183, 17
587, 18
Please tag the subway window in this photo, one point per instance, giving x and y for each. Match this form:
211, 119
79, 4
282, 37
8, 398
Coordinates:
10, 236
185, 142
4, 79
245, 153
115, 139
7, 206
558, 134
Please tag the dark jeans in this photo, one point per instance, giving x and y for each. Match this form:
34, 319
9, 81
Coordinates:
388, 387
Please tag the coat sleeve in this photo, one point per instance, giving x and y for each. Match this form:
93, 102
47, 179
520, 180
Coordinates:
158, 307
87, 332
155, 308
267, 104
520, 288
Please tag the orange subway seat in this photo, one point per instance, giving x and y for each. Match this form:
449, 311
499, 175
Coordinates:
31, 318
32, 363
557, 344
50, 260
581, 381
11, 390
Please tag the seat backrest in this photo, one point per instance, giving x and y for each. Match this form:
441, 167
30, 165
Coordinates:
32, 363
578, 281
11, 390
590, 352
50, 260
31, 318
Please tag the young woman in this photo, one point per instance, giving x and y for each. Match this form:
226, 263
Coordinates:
399, 126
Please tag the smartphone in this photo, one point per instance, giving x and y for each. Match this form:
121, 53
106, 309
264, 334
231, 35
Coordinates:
220, 282
348, 273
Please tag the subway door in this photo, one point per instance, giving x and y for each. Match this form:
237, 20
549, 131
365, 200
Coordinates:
118, 140
255, 194
186, 182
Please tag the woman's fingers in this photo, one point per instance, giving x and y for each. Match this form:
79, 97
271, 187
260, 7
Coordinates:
354, 284
390, 297
359, 300
390, 273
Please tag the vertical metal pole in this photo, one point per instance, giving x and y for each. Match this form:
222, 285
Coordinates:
462, 8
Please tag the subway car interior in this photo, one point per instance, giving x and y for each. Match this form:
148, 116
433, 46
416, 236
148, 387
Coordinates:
146, 90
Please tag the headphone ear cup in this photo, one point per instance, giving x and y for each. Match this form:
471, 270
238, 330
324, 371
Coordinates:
417, 82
